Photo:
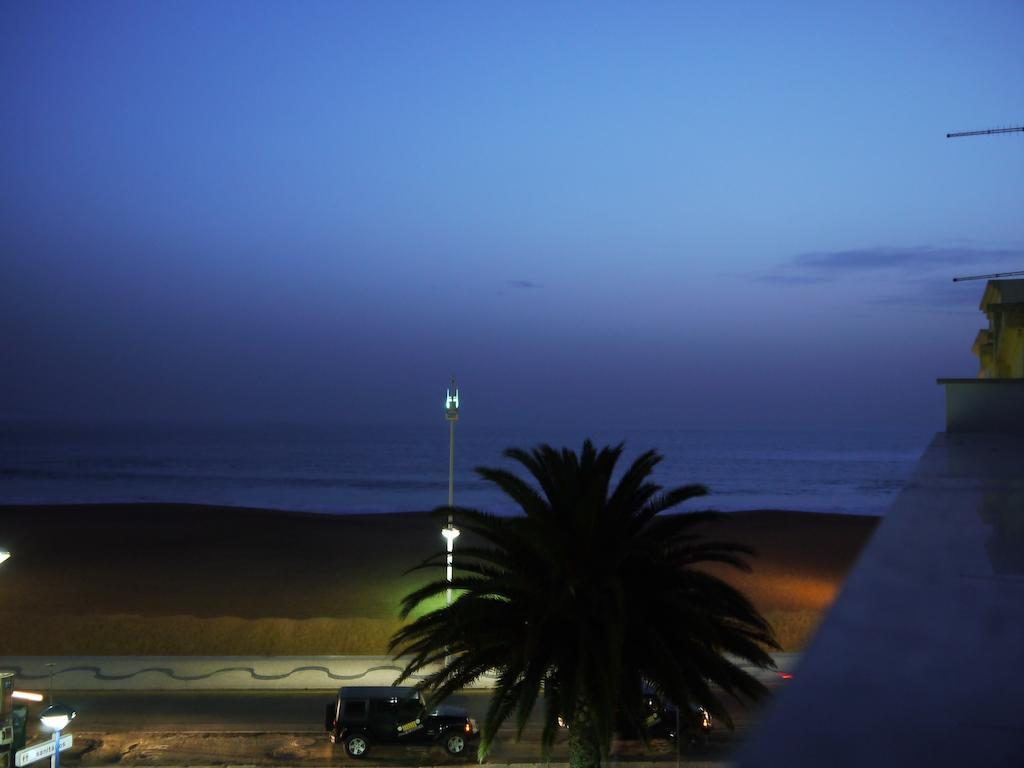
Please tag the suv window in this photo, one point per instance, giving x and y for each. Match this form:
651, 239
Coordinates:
383, 706
354, 710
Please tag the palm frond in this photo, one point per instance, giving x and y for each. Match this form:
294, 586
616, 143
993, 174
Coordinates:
585, 597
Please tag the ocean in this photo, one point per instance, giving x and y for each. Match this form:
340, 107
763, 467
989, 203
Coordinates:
347, 469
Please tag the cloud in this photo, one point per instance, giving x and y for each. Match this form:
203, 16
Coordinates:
793, 279
834, 265
919, 277
524, 284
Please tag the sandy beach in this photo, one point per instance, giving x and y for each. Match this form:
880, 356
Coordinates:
167, 579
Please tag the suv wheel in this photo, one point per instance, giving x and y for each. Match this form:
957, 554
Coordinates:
356, 745
454, 744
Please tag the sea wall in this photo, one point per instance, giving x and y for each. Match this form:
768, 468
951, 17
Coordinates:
222, 673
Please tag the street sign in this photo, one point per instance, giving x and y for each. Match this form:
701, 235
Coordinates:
39, 751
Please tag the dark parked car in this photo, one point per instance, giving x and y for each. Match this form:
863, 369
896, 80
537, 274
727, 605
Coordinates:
660, 722
365, 715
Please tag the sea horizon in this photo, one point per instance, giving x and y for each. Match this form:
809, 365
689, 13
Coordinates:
354, 469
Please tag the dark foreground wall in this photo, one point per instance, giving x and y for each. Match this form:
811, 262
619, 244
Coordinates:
921, 659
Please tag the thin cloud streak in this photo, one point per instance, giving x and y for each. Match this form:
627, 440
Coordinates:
913, 271
793, 279
833, 265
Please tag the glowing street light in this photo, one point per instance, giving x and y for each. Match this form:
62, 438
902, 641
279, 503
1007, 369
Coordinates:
450, 533
56, 717
4, 555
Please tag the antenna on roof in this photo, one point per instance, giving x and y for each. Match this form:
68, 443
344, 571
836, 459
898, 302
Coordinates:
987, 132
988, 277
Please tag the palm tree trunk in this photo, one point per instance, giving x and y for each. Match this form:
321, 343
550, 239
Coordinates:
584, 746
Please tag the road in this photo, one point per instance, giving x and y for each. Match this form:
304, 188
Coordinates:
208, 727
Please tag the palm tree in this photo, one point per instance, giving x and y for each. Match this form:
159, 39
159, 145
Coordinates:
582, 600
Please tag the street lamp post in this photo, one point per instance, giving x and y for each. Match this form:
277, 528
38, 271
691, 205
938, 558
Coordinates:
56, 717
450, 532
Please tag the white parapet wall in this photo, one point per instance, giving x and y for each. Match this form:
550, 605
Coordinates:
202, 672
222, 673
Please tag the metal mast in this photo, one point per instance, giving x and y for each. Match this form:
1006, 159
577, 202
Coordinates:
450, 532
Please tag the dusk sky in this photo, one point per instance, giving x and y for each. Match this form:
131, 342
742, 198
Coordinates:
643, 214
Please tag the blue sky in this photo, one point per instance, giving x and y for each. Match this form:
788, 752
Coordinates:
646, 214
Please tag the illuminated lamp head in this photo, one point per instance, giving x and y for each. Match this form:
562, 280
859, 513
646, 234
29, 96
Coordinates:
57, 716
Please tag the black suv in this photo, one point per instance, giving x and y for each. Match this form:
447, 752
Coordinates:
364, 715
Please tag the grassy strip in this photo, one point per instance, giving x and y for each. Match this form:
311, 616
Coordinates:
258, 582
794, 628
128, 635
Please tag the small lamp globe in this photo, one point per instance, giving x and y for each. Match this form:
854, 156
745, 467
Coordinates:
56, 717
